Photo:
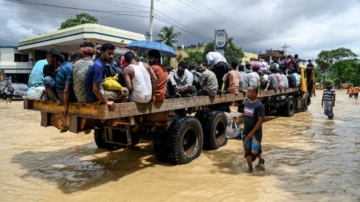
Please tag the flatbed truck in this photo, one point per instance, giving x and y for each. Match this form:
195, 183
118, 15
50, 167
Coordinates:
177, 137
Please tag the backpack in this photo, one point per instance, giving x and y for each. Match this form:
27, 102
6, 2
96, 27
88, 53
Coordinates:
112, 69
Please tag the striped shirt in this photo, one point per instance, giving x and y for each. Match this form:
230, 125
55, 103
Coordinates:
64, 76
329, 94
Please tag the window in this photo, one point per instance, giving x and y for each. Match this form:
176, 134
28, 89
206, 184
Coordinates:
17, 57
21, 57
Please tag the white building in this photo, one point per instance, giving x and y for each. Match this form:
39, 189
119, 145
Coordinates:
17, 62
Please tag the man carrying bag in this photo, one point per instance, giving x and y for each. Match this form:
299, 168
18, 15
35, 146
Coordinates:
253, 115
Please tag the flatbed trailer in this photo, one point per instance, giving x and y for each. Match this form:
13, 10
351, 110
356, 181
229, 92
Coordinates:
177, 137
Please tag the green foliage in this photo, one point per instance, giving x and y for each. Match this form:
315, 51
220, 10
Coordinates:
340, 65
168, 36
166, 61
194, 58
82, 18
232, 51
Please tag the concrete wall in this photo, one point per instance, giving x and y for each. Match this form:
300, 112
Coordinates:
248, 56
9, 66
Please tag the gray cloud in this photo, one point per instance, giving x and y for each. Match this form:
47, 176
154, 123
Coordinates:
306, 26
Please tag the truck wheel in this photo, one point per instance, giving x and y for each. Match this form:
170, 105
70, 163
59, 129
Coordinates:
99, 136
290, 108
215, 130
184, 140
159, 146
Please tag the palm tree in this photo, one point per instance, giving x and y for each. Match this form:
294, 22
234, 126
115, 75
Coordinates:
168, 36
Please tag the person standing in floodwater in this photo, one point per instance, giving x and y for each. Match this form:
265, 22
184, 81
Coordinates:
350, 91
328, 100
254, 112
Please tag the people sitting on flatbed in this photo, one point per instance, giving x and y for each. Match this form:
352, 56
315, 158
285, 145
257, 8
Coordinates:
161, 74
179, 84
140, 80
83, 79
273, 81
244, 80
95, 76
208, 82
80, 69
292, 80
233, 77
64, 82
55, 60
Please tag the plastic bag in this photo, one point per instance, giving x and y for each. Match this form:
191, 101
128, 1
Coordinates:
111, 83
233, 131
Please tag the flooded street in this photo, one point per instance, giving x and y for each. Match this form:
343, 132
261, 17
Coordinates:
308, 158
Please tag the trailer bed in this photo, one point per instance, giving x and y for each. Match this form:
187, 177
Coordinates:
131, 109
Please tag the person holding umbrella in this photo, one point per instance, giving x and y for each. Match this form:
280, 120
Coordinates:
161, 74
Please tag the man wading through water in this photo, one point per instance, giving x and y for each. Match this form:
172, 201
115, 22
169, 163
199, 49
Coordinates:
328, 100
254, 112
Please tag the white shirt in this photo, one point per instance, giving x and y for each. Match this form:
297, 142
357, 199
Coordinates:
265, 64
141, 83
214, 57
254, 79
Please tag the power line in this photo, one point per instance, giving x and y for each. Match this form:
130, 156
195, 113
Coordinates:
72, 8
35, 14
236, 23
224, 22
163, 20
194, 31
214, 12
203, 21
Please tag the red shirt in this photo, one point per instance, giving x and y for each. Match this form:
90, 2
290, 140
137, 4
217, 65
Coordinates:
289, 63
162, 76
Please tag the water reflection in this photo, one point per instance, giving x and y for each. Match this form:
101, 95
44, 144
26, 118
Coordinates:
308, 158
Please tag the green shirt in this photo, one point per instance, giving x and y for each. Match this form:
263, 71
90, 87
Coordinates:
79, 73
208, 80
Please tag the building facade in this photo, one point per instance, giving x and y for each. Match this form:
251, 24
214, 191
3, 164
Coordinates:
18, 61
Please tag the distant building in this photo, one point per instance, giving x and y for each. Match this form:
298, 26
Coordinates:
17, 61
248, 56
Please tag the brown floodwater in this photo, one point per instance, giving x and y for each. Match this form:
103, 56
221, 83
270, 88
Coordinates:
308, 158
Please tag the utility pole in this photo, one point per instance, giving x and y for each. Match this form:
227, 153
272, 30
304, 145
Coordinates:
284, 47
151, 20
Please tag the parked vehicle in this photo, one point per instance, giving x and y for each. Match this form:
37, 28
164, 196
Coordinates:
19, 90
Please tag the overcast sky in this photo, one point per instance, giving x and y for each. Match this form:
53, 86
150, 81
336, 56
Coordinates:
307, 26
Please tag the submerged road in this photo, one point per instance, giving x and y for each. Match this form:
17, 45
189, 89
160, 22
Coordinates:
308, 158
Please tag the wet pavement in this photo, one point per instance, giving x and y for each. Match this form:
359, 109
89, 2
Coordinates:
308, 158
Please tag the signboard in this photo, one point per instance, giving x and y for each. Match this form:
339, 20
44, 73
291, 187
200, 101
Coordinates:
221, 38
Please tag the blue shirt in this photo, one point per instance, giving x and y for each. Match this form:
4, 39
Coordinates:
36, 77
64, 76
95, 74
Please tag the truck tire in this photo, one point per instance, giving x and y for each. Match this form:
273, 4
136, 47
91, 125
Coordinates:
99, 136
214, 128
159, 147
184, 140
290, 108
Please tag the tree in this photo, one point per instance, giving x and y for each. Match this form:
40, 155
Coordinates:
194, 58
80, 19
324, 60
168, 36
232, 51
344, 65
